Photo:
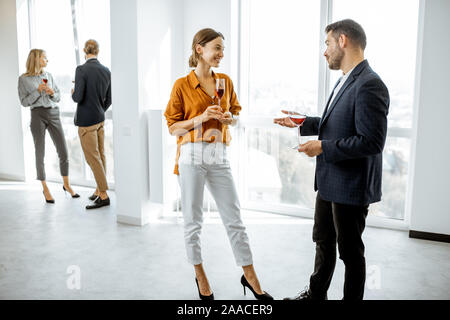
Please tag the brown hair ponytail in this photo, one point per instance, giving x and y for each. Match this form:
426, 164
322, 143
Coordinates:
202, 38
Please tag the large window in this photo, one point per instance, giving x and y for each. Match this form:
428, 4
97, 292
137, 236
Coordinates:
282, 67
280, 70
61, 27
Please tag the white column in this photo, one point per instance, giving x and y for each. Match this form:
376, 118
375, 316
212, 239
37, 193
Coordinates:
430, 169
11, 136
146, 50
131, 171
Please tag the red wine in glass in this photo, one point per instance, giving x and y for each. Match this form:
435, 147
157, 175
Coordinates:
45, 80
220, 88
297, 119
219, 93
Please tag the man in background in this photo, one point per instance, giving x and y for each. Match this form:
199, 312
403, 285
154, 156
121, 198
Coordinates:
93, 94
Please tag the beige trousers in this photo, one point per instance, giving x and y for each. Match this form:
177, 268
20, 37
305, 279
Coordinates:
92, 141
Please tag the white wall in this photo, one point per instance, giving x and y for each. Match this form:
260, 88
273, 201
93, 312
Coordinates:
430, 170
199, 14
11, 139
160, 46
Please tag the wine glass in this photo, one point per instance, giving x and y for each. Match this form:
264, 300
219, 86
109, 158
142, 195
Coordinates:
297, 119
45, 80
220, 88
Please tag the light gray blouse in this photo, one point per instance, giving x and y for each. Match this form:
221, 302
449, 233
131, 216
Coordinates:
30, 96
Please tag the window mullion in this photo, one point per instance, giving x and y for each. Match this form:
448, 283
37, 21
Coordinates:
324, 74
31, 24
244, 60
75, 31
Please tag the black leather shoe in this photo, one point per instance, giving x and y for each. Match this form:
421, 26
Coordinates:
99, 203
202, 297
264, 296
93, 197
306, 295
76, 195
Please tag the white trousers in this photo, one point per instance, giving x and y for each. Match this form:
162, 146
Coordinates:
203, 163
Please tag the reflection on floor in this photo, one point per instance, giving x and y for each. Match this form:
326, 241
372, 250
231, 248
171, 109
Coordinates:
39, 242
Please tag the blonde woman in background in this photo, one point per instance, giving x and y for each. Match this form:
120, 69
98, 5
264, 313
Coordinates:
38, 90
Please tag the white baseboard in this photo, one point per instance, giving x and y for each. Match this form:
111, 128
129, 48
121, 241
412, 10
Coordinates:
12, 177
386, 223
151, 212
129, 220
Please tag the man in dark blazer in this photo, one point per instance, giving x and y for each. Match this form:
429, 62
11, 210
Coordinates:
93, 94
351, 137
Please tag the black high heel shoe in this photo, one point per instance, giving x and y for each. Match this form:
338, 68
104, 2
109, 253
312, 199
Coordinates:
202, 297
76, 195
264, 296
48, 201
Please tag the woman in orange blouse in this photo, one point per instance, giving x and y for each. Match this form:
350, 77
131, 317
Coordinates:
201, 127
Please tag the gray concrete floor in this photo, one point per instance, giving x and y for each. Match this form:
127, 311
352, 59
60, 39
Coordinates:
39, 241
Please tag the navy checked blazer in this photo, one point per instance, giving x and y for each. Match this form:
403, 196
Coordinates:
353, 133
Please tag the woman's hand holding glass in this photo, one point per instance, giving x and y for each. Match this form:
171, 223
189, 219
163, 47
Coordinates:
227, 118
49, 91
212, 112
42, 87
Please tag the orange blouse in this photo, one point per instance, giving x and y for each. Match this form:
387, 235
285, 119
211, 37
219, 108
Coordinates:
188, 100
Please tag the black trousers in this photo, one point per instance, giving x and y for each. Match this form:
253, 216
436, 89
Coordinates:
344, 224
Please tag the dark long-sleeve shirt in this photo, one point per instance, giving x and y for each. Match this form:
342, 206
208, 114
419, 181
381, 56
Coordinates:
92, 93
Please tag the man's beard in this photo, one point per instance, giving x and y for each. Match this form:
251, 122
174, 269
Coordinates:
334, 63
